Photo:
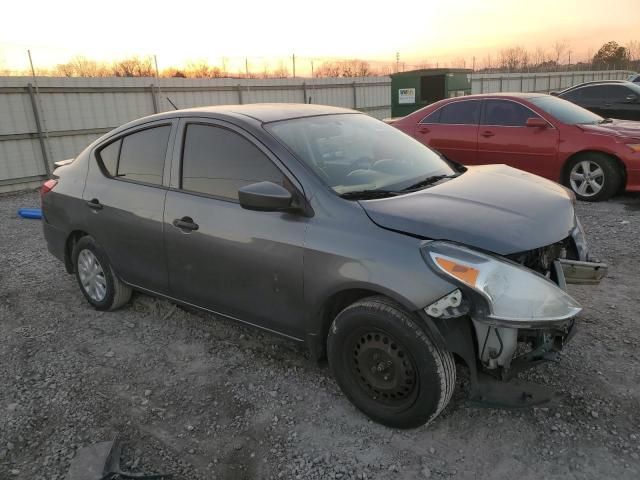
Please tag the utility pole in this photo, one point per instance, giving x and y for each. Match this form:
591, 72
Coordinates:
246, 67
474, 64
397, 61
293, 58
312, 67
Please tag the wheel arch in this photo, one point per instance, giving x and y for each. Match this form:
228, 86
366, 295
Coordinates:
70, 243
564, 176
332, 305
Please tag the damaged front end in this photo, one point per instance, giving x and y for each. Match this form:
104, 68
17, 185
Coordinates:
510, 313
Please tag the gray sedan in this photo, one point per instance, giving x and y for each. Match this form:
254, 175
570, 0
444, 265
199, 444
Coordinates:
336, 230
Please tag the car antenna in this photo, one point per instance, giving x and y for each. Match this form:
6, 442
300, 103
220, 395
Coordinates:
172, 104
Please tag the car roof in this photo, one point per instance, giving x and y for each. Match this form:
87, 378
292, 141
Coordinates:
595, 82
525, 95
262, 112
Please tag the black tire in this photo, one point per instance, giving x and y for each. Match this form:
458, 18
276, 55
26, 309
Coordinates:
408, 392
116, 293
611, 179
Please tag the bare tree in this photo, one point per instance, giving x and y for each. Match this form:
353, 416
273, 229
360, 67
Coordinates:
198, 69
633, 47
513, 58
539, 56
282, 70
560, 48
80, 66
134, 67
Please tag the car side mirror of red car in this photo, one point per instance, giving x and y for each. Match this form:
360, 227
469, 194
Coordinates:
536, 122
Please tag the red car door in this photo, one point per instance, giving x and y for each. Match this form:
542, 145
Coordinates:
504, 137
452, 130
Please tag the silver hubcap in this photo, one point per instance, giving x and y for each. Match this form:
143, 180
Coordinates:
587, 178
92, 276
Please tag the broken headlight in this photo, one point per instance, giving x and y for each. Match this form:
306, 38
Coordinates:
513, 294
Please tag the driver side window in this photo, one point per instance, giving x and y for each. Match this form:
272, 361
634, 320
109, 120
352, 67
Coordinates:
217, 161
506, 113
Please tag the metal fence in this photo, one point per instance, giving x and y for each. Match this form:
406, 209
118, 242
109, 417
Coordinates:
46, 119
539, 82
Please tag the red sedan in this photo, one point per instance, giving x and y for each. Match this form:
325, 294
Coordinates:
596, 157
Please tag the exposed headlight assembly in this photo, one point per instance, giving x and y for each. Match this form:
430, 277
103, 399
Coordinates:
514, 295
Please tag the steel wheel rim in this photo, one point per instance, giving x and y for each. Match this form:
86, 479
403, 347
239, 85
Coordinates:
92, 277
383, 368
587, 178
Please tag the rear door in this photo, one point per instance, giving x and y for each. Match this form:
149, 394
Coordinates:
124, 201
241, 263
593, 98
452, 130
503, 137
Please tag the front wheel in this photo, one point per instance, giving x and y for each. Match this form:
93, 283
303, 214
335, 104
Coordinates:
594, 177
387, 365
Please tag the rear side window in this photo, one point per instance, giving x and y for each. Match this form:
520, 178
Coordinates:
433, 117
460, 113
142, 155
217, 161
109, 157
506, 113
139, 156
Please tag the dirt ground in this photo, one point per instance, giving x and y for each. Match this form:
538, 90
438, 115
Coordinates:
205, 398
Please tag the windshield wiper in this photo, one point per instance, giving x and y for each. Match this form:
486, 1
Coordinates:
428, 181
606, 120
368, 194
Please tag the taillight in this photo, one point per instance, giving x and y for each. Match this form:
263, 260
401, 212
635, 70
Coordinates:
47, 187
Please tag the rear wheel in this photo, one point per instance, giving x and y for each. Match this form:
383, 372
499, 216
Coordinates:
594, 177
387, 365
96, 278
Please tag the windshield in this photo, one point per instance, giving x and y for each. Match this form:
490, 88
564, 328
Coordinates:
355, 152
564, 111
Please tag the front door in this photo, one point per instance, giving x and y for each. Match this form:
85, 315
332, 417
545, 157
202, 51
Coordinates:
124, 199
622, 102
241, 263
503, 137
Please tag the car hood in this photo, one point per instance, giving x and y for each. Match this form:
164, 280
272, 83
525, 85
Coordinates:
492, 207
619, 128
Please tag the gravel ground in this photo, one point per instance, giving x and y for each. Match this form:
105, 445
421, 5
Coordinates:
205, 398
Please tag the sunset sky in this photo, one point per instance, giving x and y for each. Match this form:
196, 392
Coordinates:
422, 31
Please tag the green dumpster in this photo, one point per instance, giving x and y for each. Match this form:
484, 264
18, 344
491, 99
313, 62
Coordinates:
415, 89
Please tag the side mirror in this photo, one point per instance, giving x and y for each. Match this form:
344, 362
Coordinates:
632, 98
536, 122
264, 197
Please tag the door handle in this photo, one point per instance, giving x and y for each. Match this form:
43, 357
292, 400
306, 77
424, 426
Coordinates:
186, 224
424, 130
487, 134
94, 204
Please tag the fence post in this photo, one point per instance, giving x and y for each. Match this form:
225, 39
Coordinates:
36, 114
482, 84
521, 84
355, 96
240, 94
153, 98
501, 78
304, 92
535, 82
